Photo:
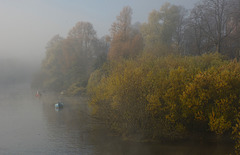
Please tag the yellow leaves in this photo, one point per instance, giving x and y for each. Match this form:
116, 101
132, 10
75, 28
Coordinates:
169, 93
115, 102
236, 134
153, 99
199, 115
75, 89
218, 124
212, 96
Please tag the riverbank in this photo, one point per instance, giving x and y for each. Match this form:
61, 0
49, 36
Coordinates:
75, 115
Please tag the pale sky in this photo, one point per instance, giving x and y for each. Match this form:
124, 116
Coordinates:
27, 25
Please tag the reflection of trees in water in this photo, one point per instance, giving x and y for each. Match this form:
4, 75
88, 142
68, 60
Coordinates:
76, 128
75, 131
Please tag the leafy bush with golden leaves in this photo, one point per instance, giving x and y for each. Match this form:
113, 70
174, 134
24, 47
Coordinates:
213, 97
160, 96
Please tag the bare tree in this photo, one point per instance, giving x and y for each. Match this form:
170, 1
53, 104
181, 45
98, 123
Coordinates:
210, 23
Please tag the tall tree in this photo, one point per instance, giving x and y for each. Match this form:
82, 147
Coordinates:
232, 44
103, 48
165, 29
126, 39
151, 32
123, 24
70, 61
52, 67
212, 18
84, 35
79, 50
53, 55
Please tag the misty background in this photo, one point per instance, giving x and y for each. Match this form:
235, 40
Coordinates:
26, 25
40, 31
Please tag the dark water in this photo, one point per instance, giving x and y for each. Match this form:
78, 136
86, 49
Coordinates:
32, 126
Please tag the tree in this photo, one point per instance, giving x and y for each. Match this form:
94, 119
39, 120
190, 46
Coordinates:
181, 25
211, 22
232, 44
101, 56
69, 62
165, 29
194, 36
54, 41
84, 35
151, 32
123, 24
52, 69
126, 40
79, 52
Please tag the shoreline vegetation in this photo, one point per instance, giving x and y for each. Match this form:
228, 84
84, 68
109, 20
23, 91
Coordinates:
169, 79
168, 97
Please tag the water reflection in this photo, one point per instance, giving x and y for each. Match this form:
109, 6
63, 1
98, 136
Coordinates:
84, 134
30, 125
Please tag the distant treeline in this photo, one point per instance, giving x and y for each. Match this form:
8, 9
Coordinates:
174, 75
211, 26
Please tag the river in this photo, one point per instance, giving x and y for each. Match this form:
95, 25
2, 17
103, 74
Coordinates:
29, 125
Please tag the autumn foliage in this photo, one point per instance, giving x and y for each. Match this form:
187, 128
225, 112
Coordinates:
167, 96
70, 61
127, 41
159, 79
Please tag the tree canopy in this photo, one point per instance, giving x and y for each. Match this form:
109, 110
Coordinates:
126, 39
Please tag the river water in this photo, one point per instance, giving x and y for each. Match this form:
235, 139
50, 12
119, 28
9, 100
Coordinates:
29, 125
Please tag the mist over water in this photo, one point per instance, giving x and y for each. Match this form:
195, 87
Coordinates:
30, 125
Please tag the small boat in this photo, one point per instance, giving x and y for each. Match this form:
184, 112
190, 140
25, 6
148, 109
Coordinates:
38, 94
59, 105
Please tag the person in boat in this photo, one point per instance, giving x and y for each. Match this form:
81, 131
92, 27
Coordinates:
38, 94
59, 105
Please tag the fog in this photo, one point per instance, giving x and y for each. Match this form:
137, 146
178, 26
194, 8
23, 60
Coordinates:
27, 26
30, 123
15, 71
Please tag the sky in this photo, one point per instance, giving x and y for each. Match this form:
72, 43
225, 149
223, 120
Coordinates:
27, 25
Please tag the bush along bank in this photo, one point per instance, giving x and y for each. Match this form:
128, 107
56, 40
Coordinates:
168, 97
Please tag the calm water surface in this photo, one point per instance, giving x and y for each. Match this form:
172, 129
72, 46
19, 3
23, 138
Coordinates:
29, 125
